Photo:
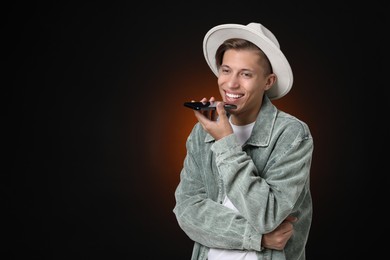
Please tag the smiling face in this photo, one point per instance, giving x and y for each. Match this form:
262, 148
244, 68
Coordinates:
243, 79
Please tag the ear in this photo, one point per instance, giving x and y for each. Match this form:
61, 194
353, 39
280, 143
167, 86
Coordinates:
271, 79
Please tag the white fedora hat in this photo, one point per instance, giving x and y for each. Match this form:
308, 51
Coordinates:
264, 39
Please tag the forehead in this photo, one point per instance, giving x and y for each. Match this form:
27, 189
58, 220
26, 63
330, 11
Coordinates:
242, 59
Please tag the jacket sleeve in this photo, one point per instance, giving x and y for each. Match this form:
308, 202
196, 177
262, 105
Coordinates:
205, 220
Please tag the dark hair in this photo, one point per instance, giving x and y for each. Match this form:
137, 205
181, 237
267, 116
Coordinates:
241, 44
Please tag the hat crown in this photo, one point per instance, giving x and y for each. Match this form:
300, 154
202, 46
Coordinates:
263, 30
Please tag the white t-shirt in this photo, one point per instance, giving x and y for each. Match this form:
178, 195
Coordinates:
242, 133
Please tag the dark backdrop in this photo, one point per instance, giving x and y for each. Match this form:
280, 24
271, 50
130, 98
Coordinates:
96, 128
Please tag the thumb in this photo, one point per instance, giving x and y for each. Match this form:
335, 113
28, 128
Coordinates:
221, 112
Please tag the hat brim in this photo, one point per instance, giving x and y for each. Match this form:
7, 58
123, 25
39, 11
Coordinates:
280, 66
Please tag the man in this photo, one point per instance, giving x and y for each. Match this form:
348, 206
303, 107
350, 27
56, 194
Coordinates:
246, 173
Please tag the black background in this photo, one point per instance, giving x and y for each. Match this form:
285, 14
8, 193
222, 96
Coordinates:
96, 128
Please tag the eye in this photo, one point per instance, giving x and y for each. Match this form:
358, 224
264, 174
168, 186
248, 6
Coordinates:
224, 70
246, 74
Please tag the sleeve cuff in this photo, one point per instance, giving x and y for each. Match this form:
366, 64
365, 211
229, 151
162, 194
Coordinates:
252, 240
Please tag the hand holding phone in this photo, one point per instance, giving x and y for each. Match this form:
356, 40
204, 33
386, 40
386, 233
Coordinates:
216, 123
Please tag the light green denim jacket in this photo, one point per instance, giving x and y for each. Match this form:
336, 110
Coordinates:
266, 179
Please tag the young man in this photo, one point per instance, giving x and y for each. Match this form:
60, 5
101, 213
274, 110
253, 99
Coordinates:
245, 178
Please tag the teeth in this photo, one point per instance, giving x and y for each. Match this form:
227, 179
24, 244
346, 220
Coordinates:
233, 95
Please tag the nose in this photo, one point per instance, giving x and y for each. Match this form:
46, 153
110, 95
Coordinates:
233, 81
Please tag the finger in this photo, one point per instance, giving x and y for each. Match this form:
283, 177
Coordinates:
221, 111
291, 219
288, 234
286, 227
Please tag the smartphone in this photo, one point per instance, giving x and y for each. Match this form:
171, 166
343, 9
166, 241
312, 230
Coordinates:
206, 105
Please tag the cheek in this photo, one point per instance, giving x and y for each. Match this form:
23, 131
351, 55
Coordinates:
221, 92
254, 91
219, 81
